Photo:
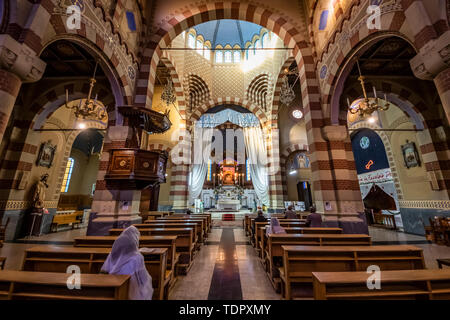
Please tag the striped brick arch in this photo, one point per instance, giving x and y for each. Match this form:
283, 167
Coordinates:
259, 90
423, 118
197, 90
91, 39
196, 14
197, 113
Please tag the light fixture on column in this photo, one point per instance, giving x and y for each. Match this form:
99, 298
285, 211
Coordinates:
366, 107
88, 108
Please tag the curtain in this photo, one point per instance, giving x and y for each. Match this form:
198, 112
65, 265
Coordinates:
241, 119
199, 168
257, 157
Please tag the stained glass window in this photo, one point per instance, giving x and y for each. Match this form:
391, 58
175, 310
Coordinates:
237, 56
191, 41
199, 47
219, 56
209, 170
228, 58
67, 175
207, 52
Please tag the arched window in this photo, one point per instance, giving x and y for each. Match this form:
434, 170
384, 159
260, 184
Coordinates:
237, 56
207, 52
200, 47
257, 46
264, 40
251, 52
219, 56
228, 57
67, 175
191, 41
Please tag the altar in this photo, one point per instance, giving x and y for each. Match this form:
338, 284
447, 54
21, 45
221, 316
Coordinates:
228, 204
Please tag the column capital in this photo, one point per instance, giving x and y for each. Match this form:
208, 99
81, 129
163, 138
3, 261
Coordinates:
335, 133
432, 58
17, 58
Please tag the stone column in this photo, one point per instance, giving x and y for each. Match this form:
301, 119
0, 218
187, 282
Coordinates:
18, 64
442, 82
9, 89
343, 196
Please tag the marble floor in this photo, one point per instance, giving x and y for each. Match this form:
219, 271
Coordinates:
227, 266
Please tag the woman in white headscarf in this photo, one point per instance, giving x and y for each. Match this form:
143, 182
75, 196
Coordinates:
126, 259
275, 227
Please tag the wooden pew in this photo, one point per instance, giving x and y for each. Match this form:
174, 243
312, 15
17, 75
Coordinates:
274, 251
300, 261
200, 223
184, 243
72, 218
294, 230
287, 223
90, 260
193, 226
168, 242
25, 285
398, 284
194, 216
152, 215
206, 220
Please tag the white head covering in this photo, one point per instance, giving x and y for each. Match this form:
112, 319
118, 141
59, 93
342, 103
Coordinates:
125, 258
275, 227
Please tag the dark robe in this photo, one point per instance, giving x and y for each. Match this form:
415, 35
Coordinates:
314, 220
289, 214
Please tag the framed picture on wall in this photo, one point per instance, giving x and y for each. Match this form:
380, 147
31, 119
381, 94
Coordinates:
46, 154
410, 155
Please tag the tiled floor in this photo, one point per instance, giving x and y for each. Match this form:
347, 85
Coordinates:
222, 254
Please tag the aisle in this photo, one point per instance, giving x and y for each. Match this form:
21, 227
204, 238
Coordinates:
225, 268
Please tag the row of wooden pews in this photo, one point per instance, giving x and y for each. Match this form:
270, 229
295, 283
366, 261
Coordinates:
323, 263
168, 252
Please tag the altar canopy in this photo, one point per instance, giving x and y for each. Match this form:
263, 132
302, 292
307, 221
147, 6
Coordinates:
381, 178
199, 168
257, 156
213, 120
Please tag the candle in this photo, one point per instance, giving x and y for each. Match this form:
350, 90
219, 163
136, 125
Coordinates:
67, 95
348, 102
374, 92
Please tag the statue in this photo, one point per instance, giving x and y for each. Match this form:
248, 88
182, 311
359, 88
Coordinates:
39, 193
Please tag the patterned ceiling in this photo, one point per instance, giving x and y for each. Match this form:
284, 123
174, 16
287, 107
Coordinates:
226, 31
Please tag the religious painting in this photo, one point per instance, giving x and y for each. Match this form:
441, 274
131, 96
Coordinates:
228, 175
410, 155
46, 154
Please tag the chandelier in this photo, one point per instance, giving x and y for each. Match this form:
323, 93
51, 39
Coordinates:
367, 107
287, 94
168, 94
88, 108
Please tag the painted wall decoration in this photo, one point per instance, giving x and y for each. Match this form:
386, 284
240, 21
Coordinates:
410, 155
130, 25
46, 154
368, 149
